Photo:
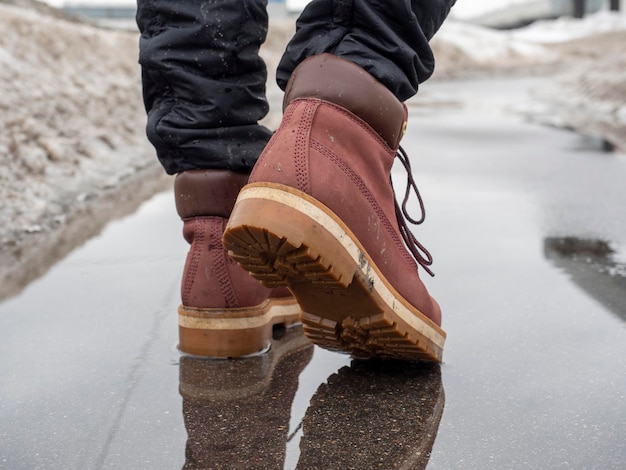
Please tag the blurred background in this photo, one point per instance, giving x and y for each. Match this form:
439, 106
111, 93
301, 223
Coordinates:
518, 143
495, 13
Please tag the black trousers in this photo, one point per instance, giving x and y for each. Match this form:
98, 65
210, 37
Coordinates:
204, 82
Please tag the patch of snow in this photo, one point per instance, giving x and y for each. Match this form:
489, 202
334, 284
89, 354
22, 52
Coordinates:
467, 9
566, 29
489, 46
72, 112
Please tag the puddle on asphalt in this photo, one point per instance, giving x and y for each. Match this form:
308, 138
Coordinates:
31, 255
534, 367
595, 266
366, 415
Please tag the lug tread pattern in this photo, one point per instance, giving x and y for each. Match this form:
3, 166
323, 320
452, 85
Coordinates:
274, 261
361, 340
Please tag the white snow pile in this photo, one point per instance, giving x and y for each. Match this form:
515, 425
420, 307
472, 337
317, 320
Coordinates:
464, 48
470, 9
72, 124
566, 29
589, 95
71, 105
585, 56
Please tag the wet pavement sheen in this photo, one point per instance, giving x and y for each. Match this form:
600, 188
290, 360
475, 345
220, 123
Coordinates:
527, 228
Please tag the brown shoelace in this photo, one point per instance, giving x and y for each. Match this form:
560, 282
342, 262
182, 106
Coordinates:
419, 252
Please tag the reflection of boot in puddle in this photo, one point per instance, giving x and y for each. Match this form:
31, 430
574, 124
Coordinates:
374, 415
237, 412
592, 266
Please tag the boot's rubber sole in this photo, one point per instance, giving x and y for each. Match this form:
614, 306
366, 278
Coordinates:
283, 236
233, 332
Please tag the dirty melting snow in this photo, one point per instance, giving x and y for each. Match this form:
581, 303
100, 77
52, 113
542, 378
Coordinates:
583, 58
71, 116
73, 119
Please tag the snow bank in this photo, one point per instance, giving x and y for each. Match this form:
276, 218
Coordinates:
71, 105
586, 57
462, 48
72, 120
468, 9
567, 29
589, 95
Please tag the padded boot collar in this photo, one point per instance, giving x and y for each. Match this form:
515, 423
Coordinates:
207, 192
344, 83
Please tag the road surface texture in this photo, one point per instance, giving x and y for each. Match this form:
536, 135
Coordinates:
527, 228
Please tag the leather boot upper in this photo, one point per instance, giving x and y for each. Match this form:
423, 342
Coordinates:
327, 146
204, 200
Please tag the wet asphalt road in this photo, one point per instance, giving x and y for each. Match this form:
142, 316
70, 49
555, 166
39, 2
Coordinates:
528, 232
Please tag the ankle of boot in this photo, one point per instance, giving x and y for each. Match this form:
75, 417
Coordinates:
212, 280
207, 192
339, 81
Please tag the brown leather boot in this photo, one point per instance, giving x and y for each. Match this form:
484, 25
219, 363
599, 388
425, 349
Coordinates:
224, 311
320, 216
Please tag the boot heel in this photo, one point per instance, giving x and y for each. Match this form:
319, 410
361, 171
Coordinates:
279, 241
234, 332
